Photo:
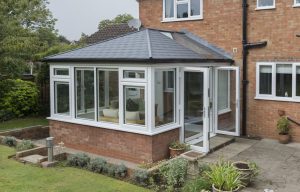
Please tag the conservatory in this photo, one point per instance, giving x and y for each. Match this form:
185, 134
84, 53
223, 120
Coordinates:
131, 96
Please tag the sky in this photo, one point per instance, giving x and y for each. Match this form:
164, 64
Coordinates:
83, 16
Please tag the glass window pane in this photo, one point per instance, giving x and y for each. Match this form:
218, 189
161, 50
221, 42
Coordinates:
195, 7
226, 121
134, 105
134, 74
193, 106
62, 101
265, 80
298, 80
169, 8
61, 72
108, 87
265, 3
85, 94
164, 97
297, 1
284, 80
182, 10
223, 90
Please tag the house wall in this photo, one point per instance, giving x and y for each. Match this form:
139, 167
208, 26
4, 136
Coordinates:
116, 144
222, 26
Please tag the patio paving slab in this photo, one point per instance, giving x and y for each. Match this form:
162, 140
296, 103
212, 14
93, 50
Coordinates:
279, 164
34, 159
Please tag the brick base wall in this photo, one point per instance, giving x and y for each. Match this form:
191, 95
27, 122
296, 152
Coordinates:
116, 144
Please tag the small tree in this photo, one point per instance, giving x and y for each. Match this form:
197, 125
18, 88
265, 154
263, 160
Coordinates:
119, 19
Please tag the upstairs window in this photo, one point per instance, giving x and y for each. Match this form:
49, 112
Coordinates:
176, 10
265, 4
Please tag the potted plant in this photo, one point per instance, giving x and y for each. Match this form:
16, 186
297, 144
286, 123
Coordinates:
176, 148
224, 177
283, 127
248, 171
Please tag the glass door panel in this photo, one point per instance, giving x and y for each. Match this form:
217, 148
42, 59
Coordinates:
227, 101
195, 116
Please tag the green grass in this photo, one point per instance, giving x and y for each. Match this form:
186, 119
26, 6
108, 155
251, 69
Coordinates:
17, 177
23, 122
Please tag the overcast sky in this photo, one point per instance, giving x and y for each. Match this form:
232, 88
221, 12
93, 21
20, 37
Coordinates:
77, 16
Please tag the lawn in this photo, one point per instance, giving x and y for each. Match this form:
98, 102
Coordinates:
17, 177
23, 122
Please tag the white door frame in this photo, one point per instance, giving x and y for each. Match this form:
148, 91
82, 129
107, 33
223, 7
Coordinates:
237, 128
205, 71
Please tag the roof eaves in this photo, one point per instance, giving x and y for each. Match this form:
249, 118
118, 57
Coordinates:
144, 60
207, 44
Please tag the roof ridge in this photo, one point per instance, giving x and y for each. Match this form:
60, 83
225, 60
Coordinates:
149, 44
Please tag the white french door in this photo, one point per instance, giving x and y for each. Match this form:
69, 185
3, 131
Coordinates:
227, 101
195, 116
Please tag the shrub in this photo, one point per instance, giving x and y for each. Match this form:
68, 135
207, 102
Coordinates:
121, 171
79, 160
141, 177
283, 126
111, 170
224, 176
97, 165
198, 185
19, 98
9, 141
178, 145
174, 172
24, 145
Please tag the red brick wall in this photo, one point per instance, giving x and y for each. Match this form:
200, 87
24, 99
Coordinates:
222, 26
117, 144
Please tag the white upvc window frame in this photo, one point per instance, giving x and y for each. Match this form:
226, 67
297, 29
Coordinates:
75, 93
122, 106
175, 123
189, 18
133, 69
60, 79
265, 7
273, 96
296, 4
228, 109
109, 69
61, 76
148, 129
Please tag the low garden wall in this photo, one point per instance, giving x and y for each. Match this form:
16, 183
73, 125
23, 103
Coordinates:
32, 133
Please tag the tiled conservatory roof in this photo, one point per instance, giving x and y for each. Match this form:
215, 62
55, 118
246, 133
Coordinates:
148, 45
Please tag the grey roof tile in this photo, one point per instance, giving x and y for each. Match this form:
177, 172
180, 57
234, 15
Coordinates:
146, 45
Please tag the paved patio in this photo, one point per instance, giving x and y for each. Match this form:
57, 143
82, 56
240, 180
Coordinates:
279, 164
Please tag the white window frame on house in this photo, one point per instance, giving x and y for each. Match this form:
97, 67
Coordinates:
296, 4
75, 94
228, 109
273, 96
64, 79
265, 7
174, 90
174, 18
61, 68
106, 97
147, 129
